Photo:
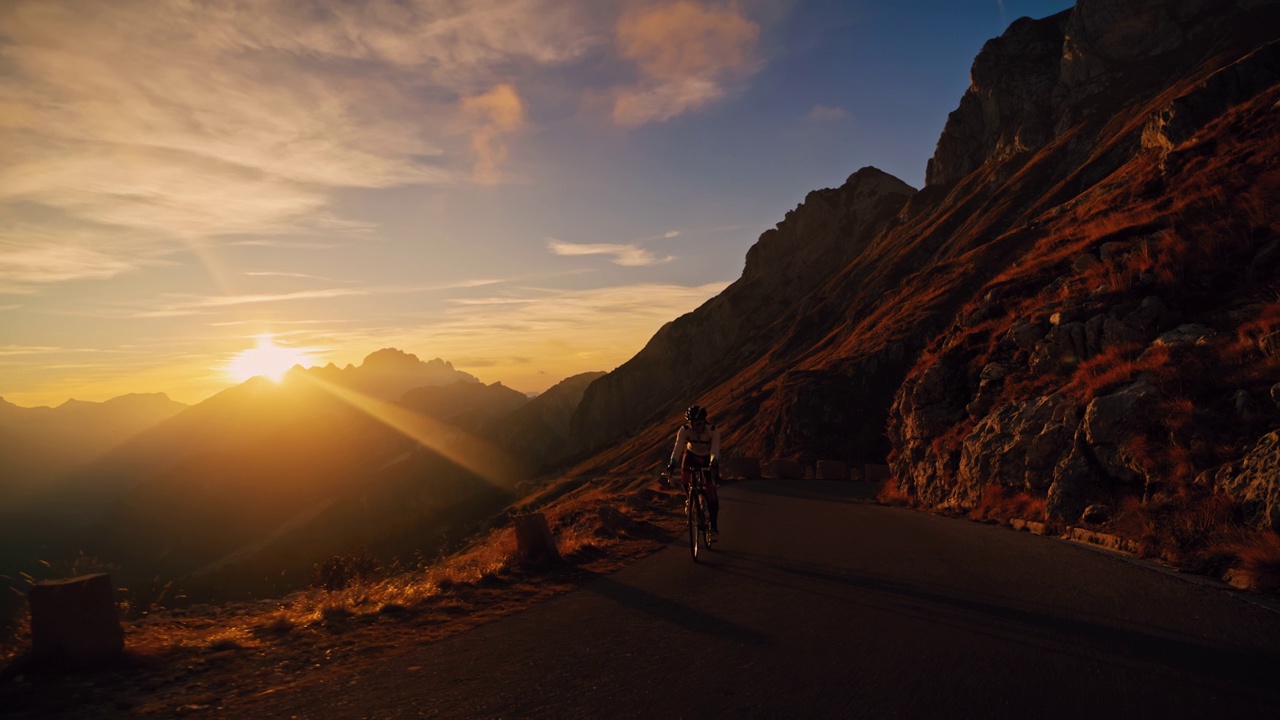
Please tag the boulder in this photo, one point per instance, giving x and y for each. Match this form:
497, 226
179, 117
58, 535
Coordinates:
75, 620
534, 544
1108, 427
1253, 482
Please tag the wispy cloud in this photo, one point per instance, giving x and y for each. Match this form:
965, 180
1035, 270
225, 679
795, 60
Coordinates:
298, 275
193, 306
687, 54
25, 264
171, 121
625, 255
824, 112
614, 319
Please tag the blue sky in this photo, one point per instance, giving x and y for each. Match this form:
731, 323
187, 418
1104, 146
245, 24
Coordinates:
527, 188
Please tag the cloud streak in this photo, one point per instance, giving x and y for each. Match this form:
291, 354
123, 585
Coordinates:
156, 124
825, 112
624, 255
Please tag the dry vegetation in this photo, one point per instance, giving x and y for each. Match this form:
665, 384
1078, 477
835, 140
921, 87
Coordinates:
481, 582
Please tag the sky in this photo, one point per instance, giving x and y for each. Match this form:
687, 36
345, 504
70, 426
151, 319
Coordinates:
528, 189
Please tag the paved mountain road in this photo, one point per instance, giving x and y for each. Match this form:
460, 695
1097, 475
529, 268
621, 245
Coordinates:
820, 604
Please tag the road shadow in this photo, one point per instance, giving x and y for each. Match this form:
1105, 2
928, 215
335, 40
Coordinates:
1256, 668
673, 612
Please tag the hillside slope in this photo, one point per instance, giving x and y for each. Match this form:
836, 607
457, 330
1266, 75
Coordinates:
1078, 309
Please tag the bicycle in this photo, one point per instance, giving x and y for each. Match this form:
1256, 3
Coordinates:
697, 514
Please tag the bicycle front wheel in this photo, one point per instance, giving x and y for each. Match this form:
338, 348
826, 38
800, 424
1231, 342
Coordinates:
691, 513
704, 520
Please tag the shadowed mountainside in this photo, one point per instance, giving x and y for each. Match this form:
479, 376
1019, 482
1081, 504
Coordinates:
39, 445
244, 493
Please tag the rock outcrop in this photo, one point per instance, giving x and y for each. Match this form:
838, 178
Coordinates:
1077, 308
1116, 356
691, 354
1254, 480
1009, 106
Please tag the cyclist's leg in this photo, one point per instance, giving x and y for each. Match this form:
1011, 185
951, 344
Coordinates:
685, 471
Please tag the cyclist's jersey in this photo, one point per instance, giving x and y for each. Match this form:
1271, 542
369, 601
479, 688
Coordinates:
705, 444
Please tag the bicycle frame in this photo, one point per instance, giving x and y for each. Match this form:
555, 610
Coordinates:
697, 512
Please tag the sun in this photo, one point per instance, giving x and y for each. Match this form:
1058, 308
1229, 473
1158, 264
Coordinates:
266, 360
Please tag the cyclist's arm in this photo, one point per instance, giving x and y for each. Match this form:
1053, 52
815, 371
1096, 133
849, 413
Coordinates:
682, 441
715, 444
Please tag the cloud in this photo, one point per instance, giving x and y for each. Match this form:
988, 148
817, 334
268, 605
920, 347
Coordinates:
158, 123
823, 112
686, 54
499, 113
625, 255
49, 264
606, 315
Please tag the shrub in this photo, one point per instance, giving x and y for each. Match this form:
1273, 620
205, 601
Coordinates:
998, 503
342, 571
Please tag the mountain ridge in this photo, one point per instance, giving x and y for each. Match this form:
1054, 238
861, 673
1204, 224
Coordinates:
1103, 189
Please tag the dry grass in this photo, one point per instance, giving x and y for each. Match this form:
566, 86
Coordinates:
489, 564
1000, 504
1258, 561
891, 494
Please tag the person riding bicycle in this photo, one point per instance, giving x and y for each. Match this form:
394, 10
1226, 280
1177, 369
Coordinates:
698, 446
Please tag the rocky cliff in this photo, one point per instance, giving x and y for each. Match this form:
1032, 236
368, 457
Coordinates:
1125, 353
693, 354
1079, 309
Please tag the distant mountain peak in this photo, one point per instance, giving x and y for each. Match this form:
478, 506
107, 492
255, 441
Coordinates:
390, 372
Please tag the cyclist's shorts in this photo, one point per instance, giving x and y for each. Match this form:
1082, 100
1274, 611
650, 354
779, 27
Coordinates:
691, 461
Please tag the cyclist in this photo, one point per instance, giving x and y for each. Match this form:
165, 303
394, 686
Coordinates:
698, 446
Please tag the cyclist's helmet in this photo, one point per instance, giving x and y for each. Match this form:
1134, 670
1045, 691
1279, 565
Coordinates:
696, 413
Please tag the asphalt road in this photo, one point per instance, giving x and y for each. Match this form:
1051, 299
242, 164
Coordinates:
817, 603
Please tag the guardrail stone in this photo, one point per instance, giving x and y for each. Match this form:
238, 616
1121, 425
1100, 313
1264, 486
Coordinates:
876, 473
784, 470
832, 470
740, 468
75, 620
